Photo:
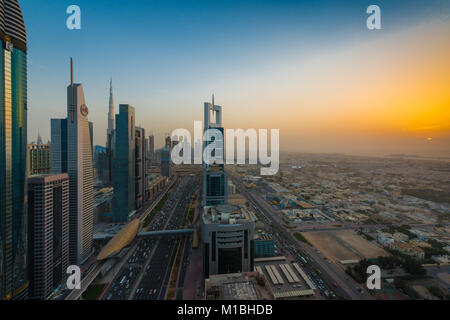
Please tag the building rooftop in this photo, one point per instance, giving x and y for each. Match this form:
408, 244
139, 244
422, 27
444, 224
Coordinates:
237, 286
227, 214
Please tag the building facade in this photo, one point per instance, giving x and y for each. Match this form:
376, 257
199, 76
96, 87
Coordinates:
140, 167
151, 149
38, 159
214, 177
124, 174
48, 233
110, 134
13, 152
165, 158
227, 235
72, 153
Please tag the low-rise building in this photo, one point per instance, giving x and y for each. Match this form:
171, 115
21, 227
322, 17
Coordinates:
407, 249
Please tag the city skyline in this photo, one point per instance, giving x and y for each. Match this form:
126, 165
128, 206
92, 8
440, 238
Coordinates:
317, 73
102, 212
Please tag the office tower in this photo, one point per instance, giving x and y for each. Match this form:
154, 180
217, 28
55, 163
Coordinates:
214, 178
110, 133
38, 159
147, 155
151, 146
165, 158
227, 235
111, 109
48, 233
110, 143
91, 138
71, 153
124, 165
101, 163
58, 149
13, 152
140, 164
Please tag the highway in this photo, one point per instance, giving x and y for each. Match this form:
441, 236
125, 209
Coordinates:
347, 287
154, 281
145, 275
95, 270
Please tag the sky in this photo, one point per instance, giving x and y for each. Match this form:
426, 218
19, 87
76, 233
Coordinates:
309, 68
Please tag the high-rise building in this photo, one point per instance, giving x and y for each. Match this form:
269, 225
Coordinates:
71, 153
38, 159
151, 149
111, 109
13, 152
48, 232
214, 177
165, 158
58, 150
101, 163
110, 132
227, 236
124, 164
140, 167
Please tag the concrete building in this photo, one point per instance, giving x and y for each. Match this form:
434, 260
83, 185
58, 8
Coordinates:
48, 232
227, 235
38, 159
110, 133
151, 149
214, 178
264, 246
124, 163
238, 286
165, 158
72, 153
101, 164
140, 167
13, 152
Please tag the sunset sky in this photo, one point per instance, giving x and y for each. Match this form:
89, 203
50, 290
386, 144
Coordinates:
309, 68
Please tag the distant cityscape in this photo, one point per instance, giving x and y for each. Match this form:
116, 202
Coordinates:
140, 227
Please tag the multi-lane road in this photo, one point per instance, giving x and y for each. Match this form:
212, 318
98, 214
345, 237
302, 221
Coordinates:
145, 276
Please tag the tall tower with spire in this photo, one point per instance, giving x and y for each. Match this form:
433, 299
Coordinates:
71, 153
110, 133
111, 109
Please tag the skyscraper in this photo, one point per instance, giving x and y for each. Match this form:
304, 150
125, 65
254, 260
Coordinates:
124, 163
71, 153
111, 109
13, 151
214, 178
151, 146
140, 166
58, 150
165, 158
109, 133
38, 159
48, 232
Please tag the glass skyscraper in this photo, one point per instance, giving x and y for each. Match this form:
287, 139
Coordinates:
13, 152
124, 162
214, 177
71, 152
